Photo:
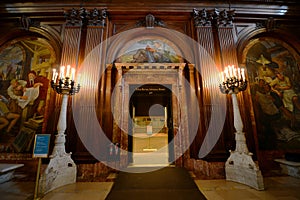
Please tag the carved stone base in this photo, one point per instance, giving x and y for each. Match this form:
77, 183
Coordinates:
60, 171
241, 168
289, 167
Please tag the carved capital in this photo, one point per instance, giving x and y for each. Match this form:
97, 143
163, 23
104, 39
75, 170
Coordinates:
226, 18
213, 17
82, 16
97, 17
202, 17
72, 17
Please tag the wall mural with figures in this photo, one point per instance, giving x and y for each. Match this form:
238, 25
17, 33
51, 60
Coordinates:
25, 67
150, 51
273, 72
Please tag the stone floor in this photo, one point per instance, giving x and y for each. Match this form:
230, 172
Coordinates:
281, 188
276, 188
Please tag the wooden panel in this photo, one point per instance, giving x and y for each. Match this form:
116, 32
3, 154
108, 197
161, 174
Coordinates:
174, 21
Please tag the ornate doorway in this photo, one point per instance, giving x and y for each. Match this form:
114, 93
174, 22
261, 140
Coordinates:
150, 111
136, 75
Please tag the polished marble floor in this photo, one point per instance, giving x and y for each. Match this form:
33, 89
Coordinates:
276, 188
281, 188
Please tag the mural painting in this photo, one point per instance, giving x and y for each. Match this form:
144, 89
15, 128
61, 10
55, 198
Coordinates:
150, 51
273, 72
24, 84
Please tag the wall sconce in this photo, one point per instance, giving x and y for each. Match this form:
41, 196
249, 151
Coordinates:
239, 166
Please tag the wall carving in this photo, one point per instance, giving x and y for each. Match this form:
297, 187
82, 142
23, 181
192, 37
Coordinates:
213, 17
150, 21
82, 16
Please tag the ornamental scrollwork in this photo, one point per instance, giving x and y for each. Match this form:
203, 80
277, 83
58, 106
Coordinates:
150, 22
202, 17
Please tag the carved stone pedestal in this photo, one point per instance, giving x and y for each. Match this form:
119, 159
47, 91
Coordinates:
60, 171
241, 168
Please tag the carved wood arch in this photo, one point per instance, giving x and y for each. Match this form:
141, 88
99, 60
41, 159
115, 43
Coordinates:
254, 32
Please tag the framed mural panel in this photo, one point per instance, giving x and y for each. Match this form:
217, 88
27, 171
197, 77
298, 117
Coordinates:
274, 78
25, 67
150, 51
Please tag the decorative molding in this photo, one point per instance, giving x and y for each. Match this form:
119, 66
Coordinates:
202, 18
226, 18
259, 25
27, 22
269, 24
82, 16
97, 17
150, 21
213, 17
72, 17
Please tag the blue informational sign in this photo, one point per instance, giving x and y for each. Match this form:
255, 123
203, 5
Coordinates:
41, 145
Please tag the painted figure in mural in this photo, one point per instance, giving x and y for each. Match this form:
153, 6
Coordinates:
283, 85
161, 56
154, 54
15, 92
21, 96
144, 55
150, 54
140, 56
268, 101
271, 97
270, 106
264, 71
7, 118
40, 82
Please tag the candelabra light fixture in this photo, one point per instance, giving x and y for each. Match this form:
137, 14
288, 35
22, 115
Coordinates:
239, 166
61, 169
64, 83
233, 80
